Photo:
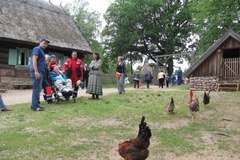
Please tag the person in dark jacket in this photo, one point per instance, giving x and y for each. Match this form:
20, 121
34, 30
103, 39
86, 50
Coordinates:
148, 78
173, 80
121, 68
86, 71
46, 81
167, 78
136, 79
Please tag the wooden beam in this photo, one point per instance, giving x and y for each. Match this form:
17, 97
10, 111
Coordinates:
171, 55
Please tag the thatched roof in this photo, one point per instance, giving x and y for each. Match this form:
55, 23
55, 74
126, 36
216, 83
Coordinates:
211, 50
31, 20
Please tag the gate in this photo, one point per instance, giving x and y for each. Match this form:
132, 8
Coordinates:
231, 69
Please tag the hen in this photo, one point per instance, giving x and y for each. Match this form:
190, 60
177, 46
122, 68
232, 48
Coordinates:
193, 104
206, 98
170, 107
137, 149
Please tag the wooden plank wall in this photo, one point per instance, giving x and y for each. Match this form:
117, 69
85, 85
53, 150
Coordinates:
213, 65
210, 67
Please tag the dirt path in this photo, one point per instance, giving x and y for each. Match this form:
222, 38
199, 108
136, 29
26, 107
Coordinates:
12, 97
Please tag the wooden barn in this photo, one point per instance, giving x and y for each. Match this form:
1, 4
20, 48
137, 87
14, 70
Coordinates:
22, 24
219, 67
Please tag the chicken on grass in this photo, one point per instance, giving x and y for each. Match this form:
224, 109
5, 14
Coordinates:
206, 98
170, 107
193, 104
137, 149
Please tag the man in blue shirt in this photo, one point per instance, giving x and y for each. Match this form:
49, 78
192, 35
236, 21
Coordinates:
37, 70
179, 76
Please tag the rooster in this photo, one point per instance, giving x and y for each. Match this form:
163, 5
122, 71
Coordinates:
170, 107
137, 149
206, 98
193, 104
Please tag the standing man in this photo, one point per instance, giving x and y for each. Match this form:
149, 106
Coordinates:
37, 71
179, 76
167, 79
74, 70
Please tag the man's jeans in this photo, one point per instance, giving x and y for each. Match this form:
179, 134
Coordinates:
37, 87
179, 80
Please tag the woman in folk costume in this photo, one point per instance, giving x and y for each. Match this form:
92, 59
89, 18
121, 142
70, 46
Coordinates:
73, 67
121, 68
94, 82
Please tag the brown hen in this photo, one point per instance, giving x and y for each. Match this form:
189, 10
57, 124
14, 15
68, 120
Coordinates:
170, 107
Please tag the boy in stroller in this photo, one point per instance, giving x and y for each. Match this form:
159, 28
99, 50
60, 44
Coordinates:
62, 84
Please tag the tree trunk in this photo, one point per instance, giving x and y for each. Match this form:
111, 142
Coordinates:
170, 66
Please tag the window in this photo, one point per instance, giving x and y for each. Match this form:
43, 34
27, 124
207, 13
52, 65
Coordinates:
231, 53
23, 56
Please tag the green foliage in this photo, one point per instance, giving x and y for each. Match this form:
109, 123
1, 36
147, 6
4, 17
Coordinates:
153, 27
213, 18
87, 21
89, 24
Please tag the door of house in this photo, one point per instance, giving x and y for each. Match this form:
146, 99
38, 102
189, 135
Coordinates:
231, 64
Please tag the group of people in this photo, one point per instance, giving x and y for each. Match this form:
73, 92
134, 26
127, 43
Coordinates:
162, 77
137, 79
45, 71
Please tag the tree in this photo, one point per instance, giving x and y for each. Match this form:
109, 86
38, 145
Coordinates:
89, 24
212, 19
87, 21
147, 27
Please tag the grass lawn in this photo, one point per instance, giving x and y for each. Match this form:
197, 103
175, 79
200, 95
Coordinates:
92, 129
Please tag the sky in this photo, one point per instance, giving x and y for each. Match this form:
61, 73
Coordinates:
97, 5
101, 6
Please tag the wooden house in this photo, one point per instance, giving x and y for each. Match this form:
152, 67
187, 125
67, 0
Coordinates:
22, 24
219, 67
